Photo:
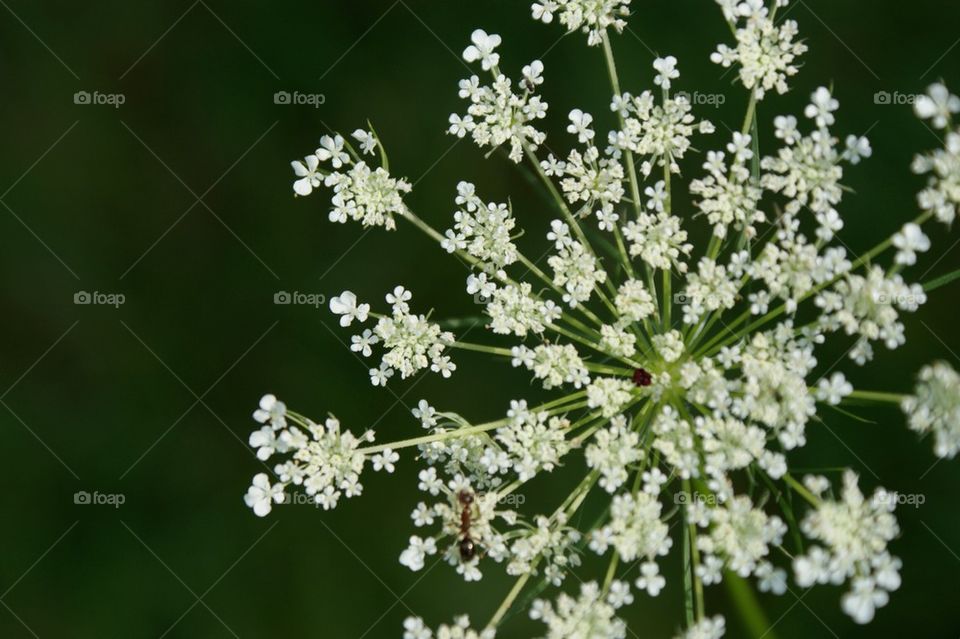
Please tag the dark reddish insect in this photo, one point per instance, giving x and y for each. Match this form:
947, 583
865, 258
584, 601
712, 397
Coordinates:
468, 549
641, 377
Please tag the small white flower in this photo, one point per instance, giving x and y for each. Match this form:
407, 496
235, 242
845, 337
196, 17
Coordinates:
910, 241
937, 105
426, 413
332, 149
379, 376
345, 305
362, 343
580, 125
857, 148
834, 389
483, 49
666, 71
367, 140
415, 553
307, 172
650, 578
533, 74
271, 411
385, 460
261, 495
460, 126
821, 107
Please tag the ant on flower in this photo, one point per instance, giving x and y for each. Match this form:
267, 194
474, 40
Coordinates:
467, 547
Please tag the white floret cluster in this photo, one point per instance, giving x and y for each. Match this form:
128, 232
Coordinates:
677, 380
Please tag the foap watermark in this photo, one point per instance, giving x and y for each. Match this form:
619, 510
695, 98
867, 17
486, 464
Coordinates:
296, 298
296, 98
96, 498
686, 499
901, 300
696, 98
709, 300
895, 98
510, 499
96, 298
96, 98
901, 499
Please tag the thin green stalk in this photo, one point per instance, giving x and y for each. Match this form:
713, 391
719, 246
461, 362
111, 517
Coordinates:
748, 606
892, 398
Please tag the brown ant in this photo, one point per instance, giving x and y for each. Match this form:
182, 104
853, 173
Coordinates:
467, 547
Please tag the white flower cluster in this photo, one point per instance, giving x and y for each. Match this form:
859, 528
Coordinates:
410, 342
481, 229
367, 195
534, 441
592, 17
414, 628
709, 628
729, 194
588, 616
613, 452
676, 371
555, 364
659, 132
513, 308
636, 530
739, 538
576, 269
551, 541
498, 114
325, 461
942, 195
766, 52
935, 407
854, 533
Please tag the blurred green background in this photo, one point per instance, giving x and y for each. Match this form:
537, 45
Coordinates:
180, 200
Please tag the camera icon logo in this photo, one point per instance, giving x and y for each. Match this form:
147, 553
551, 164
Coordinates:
481, 299
882, 97
282, 297
82, 297
281, 97
81, 498
681, 299
81, 97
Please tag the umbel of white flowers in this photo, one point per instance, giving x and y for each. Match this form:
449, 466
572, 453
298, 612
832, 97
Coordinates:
679, 378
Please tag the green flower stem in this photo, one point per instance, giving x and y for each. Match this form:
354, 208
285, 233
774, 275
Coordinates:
628, 154
748, 605
506, 352
694, 556
555, 407
801, 490
892, 398
508, 601
611, 571
623, 251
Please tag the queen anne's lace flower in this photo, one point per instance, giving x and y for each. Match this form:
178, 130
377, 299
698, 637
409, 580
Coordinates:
586, 617
592, 17
766, 52
712, 628
935, 407
683, 375
324, 460
498, 113
414, 628
854, 533
367, 195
